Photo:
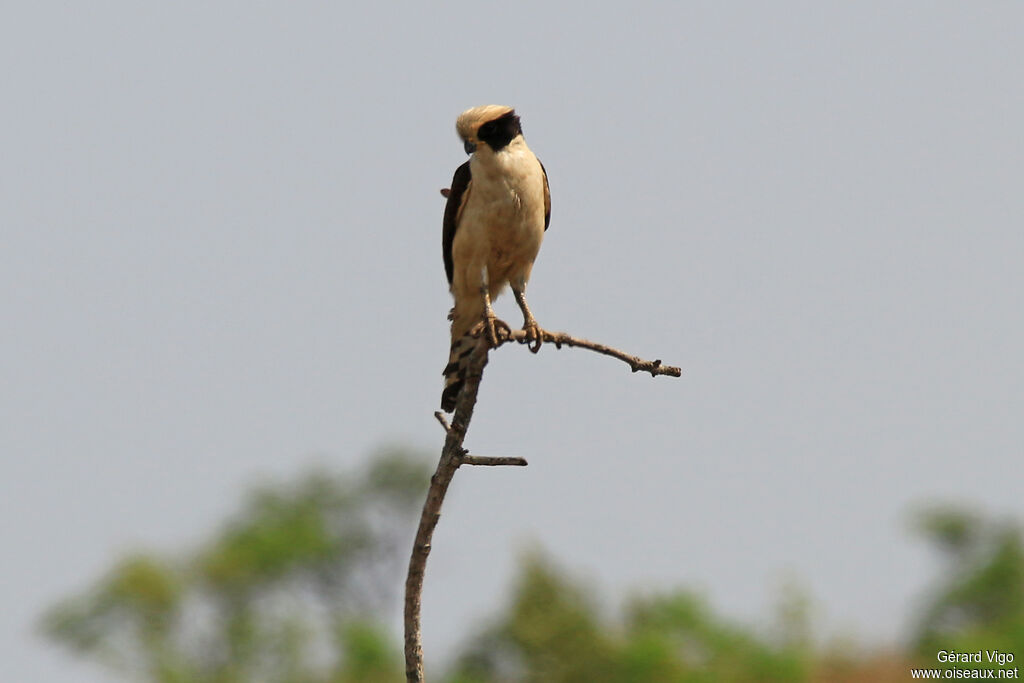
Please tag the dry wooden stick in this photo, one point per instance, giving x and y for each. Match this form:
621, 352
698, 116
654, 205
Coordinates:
453, 455
559, 338
480, 459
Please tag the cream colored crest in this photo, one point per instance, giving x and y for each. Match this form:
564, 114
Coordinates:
470, 120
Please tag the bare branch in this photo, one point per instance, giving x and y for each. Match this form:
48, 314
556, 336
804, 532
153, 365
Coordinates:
492, 461
559, 339
451, 458
454, 455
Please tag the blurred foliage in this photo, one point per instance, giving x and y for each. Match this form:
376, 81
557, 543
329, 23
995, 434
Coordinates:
293, 589
978, 603
289, 591
552, 632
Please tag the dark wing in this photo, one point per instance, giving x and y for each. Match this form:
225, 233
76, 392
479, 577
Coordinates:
547, 197
457, 196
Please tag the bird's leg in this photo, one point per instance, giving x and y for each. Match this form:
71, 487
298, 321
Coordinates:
533, 331
491, 322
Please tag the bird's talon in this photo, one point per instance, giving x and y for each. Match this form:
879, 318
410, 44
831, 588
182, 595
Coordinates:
534, 337
496, 329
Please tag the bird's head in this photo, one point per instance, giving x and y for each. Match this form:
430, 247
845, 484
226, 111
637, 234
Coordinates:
493, 125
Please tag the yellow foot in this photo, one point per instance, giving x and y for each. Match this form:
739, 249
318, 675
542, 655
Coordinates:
534, 335
495, 329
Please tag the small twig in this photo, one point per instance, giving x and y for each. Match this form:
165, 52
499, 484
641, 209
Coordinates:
443, 420
454, 455
493, 461
467, 459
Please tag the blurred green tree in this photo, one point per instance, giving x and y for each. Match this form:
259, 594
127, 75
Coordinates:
289, 591
553, 632
978, 602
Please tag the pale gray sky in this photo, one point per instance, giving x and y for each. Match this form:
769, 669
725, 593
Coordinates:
221, 260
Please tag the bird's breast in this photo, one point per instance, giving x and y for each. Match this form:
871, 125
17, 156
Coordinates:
502, 225
510, 190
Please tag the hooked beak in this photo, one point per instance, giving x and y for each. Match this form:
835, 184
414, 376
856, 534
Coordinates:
469, 147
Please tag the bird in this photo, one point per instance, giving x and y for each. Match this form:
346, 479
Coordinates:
498, 209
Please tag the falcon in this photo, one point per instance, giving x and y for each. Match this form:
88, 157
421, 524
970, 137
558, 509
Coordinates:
498, 209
